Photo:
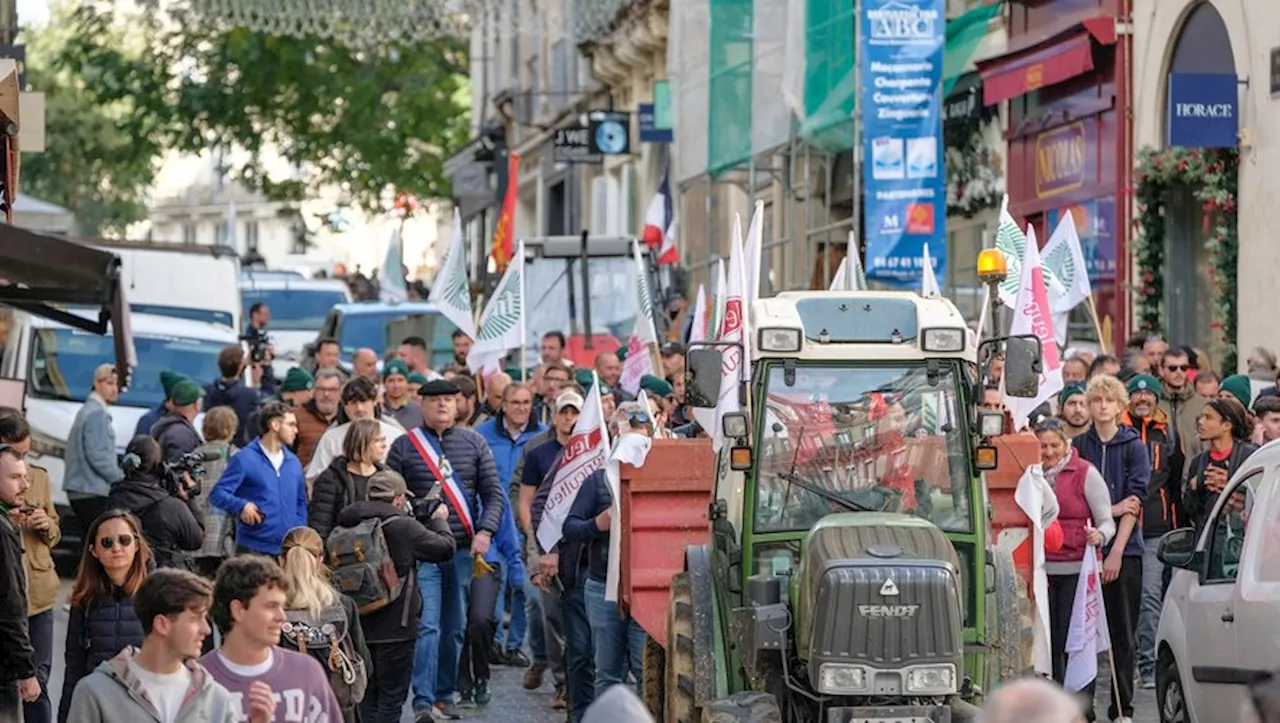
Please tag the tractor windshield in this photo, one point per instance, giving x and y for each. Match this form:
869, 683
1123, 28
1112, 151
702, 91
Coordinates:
881, 438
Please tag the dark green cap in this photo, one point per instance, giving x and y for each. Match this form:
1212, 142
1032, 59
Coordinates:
1240, 388
185, 392
395, 366
167, 379
417, 378
656, 386
297, 379
1068, 392
584, 377
621, 353
1145, 383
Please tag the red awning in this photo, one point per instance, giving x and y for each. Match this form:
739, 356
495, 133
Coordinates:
1047, 62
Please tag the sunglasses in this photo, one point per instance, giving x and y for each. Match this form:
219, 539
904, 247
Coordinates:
107, 543
637, 417
1177, 367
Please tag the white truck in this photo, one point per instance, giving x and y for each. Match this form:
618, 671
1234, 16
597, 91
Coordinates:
187, 282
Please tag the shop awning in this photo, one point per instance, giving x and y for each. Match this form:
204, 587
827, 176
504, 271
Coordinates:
1037, 62
39, 274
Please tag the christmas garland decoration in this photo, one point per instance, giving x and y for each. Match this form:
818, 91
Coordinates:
1211, 175
975, 166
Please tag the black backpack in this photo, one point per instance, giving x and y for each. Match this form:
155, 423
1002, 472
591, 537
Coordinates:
362, 566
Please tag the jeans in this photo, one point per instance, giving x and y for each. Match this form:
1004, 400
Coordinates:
533, 613
474, 665
390, 669
579, 650
554, 632
444, 615
618, 641
41, 630
1153, 589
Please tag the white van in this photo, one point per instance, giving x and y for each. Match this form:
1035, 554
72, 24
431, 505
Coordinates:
201, 283
57, 363
298, 311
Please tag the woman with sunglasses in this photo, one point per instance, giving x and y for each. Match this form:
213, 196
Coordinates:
102, 622
321, 621
1084, 500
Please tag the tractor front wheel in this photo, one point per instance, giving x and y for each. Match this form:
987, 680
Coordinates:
679, 705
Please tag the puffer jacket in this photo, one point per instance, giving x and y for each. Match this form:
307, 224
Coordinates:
468, 453
170, 525
96, 633
176, 436
333, 490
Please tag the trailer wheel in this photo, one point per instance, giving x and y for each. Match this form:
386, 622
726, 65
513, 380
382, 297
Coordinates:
678, 691
745, 707
654, 660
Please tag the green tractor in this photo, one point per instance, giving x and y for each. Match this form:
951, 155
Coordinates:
849, 573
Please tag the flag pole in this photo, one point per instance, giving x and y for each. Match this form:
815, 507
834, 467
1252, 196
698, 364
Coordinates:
1103, 342
476, 310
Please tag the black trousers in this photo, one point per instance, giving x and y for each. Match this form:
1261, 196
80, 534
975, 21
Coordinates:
87, 510
473, 664
10, 702
390, 670
1123, 600
41, 630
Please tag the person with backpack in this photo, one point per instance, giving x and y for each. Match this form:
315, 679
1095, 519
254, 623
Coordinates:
169, 521
322, 622
389, 600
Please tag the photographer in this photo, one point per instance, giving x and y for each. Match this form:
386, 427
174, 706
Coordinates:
163, 506
230, 390
176, 432
261, 353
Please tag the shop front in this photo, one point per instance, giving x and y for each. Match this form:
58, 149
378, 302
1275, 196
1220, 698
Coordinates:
1064, 78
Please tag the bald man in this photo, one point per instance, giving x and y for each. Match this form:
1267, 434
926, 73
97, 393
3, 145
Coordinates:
366, 364
1032, 700
493, 388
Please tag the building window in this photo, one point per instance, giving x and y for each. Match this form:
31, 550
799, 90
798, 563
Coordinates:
300, 240
251, 236
222, 234
189, 234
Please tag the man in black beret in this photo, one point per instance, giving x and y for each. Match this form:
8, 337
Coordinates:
442, 453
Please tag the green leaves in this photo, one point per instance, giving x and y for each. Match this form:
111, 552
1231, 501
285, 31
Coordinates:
372, 122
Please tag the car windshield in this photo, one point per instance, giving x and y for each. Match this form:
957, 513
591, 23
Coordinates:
63, 360
881, 438
294, 309
612, 282
373, 331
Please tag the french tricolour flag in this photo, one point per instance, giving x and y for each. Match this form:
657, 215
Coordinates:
660, 224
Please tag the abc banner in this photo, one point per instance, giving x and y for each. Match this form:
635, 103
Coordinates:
905, 189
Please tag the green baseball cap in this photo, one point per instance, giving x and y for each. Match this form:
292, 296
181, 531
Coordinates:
297, 379
185, 392
168, 378
655, 385
417, 378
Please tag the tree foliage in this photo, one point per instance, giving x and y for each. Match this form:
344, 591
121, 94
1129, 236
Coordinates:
93, 164
374, 122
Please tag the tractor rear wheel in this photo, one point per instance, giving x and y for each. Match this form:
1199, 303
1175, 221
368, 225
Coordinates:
654, 670
679, 705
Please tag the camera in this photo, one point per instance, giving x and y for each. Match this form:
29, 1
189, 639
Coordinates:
422, 508
173, 474
259, 343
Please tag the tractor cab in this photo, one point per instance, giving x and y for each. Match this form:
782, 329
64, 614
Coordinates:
849, 514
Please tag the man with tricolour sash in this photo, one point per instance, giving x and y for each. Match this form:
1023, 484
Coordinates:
459, 461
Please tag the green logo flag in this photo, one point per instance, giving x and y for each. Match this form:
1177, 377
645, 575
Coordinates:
451, 292
502, 323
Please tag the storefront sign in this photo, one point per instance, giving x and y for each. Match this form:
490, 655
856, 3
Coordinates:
649, 130
1202, 110
573, 145
902, 136
1063, 159
1095, 224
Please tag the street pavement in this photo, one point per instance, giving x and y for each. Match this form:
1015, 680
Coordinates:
512, 702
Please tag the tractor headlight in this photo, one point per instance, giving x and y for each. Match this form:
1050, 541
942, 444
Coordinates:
931, 680
780, 340
943, 340
842, 679
990, 424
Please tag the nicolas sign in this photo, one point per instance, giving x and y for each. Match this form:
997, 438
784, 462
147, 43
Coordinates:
1203, 110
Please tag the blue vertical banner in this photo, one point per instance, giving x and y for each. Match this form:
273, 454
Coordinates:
905, 192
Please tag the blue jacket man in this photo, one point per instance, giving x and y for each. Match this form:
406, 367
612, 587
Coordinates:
264, 486
506, 436
91, 464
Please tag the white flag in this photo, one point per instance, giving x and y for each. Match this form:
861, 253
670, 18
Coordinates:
735, 368
585, 453
1088, 635
391, 284
698, 329
717, 301
502, 323
929, 282
639, 361
451, 292
1036, 498
754, 253
632, 449
1032, 314
1011, 240
1064, 257
849, 275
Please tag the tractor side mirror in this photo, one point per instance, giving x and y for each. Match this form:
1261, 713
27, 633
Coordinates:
702, 377
1022, 367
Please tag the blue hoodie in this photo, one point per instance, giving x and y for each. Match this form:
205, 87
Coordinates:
1126, 467
281, 498
506, 451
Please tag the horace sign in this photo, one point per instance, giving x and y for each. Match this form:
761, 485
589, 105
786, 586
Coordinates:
1203, 110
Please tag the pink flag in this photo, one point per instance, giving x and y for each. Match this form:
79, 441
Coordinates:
1087, 635
1033, 315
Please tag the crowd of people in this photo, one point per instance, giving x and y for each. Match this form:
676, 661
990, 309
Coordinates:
1134, 448
359, 538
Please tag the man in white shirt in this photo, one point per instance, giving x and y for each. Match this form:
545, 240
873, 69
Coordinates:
171, 606
359, 401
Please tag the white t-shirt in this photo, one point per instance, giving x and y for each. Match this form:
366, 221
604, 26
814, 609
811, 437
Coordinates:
249, 671
166, 690
276, 458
